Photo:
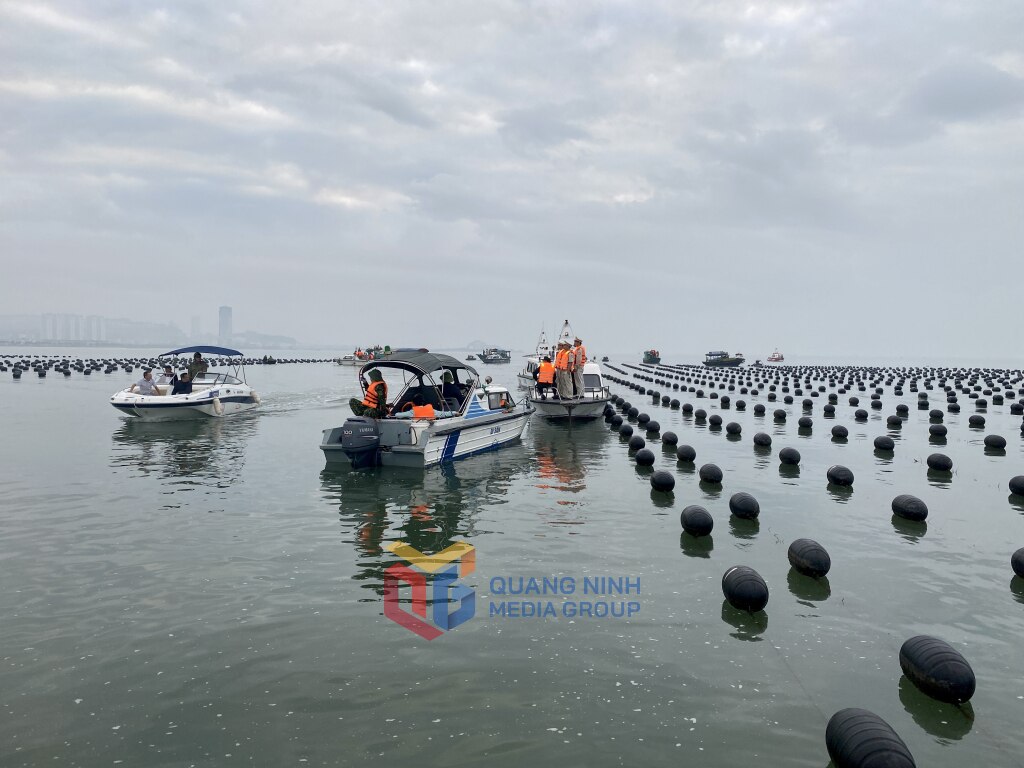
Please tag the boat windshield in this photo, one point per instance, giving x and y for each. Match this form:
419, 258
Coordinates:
211, 378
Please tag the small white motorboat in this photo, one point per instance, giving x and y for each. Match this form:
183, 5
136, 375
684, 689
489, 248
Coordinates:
588, 404
482, 417
213, 394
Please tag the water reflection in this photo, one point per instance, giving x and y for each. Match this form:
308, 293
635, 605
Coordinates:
742, 528
911, 530
840, 493
1017, 588
748, 626
696, 546
790, 471
428, 509
940, 479
948, 722
807, 588
1016, 501
197, 452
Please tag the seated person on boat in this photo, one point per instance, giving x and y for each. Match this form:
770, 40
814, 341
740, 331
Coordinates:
182, 386
375, 403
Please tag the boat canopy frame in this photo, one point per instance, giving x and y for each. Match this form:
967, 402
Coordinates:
423, 366
238, 366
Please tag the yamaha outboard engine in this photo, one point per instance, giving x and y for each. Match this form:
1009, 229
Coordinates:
360, 440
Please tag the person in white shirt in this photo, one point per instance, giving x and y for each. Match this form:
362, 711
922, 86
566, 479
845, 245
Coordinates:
146, 385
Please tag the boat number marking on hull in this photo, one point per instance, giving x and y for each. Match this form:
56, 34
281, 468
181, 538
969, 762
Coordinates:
495, 430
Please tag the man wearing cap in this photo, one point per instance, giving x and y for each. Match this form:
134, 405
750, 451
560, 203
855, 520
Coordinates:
563, 371
375, 403
579, 359
197, 367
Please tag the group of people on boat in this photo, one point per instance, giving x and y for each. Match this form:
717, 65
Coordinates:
177, 385
375, 401
564, 373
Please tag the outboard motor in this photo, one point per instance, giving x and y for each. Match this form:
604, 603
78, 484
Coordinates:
360, 441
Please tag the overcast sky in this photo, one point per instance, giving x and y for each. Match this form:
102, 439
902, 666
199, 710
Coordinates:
831, 178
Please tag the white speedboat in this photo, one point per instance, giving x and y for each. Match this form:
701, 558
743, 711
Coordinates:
482, 417
213, 394
588, 404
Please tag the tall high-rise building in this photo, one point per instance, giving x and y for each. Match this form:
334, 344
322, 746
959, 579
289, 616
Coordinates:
225, 333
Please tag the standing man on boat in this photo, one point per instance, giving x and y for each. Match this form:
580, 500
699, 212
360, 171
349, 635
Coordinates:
563, 371
375, 403
579, 359
197, 367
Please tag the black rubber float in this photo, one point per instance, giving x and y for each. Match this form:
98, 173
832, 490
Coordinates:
686, 453
636, 443
662, 481
937, 669
995, 441
762, 439
745, 589
1017, 562
909, 507
744, 506
733, 428
884, 443
857, 738
669, 438
809, 558
790, 456
837, 474
710, 473
940, 462
1017, 485
840, 432
696, 520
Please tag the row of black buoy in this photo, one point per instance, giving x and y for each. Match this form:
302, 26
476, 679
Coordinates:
855, 738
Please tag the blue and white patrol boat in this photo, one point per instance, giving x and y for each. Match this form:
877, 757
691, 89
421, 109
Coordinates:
465, 416
214, 394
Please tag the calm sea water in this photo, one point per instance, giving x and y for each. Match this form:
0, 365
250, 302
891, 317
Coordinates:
211, 594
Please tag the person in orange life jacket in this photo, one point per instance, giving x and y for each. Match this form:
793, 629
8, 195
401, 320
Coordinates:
579, 359
375, 403
545, 376
563, 371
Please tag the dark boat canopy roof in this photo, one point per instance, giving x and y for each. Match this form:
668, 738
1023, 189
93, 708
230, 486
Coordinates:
419, 363
208, 350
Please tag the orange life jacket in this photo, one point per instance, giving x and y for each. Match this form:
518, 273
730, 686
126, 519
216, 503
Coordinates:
546, 374
562, 360
581, 355
372, 398
423, 411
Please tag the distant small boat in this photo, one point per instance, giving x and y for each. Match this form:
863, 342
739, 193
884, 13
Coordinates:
775, 357
471, 357
652, 357
604, 359
493, 355
723, 359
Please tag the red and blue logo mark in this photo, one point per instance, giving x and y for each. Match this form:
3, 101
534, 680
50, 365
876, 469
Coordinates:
430, 618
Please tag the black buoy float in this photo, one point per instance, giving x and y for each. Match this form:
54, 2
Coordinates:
940, 462
744, 506
837, 474
762, 439
779, 415
790, 456
645, 457
669, 438
909, 508
1017, 562
860, 415
805, 422
997, 442
937, 669
1017, 485
625, 430
696, 520
745, 589
652, 426
857, 738
636, 443
662, 481
840, 432
732, 428
884, 443
710, 473
686, 453
809, 558
937, 430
